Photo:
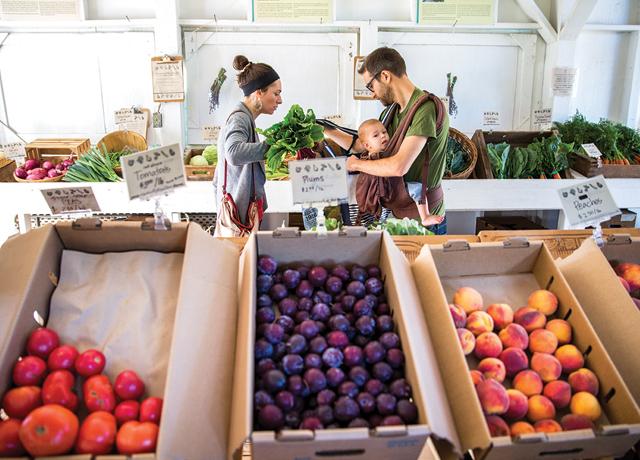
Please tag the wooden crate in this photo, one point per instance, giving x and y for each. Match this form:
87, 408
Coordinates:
588, 167
197, 172
514, 138
7, 167
50, 149
561, 243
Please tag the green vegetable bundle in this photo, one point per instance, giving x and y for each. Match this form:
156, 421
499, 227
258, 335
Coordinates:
542, 158
404, 226
457, 158
93, 166
298, 130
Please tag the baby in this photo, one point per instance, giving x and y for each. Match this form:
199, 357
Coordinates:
374, 137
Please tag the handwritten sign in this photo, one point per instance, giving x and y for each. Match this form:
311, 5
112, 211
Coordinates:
14, 151
211, 133
153, 172
542, 119
129, 120
360, 91
70, 199
491, 118
592, 150
167, 79
564, 81
588, 202
319, 180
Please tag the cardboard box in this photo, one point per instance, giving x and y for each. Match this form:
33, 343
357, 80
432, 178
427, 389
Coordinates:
508, 273
197, 389
626, 219
609, 307
397, 442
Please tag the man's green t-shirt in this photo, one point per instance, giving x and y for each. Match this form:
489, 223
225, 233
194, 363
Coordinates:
424, 124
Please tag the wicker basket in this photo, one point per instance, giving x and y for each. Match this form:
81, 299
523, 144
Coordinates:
117, 141
7, 167
469, 147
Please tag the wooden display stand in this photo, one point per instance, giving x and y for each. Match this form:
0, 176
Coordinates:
588, 167
197, 172
56, 149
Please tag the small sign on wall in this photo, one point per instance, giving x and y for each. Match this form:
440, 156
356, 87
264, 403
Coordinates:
315, 11
564, 81
41, 10
360, 91
167, 78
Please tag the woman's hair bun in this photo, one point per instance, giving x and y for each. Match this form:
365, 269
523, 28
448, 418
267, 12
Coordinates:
240, 62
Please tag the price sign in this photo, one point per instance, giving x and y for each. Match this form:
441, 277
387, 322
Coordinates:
14, 151
592, 150
153, 172
129, 120
70, 199
319, 180
542, 119
211, 133
588, 202
491, 118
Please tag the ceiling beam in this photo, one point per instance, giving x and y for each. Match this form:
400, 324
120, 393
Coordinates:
531, 9
577, 19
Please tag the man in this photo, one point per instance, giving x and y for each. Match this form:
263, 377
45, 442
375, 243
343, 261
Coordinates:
385, 75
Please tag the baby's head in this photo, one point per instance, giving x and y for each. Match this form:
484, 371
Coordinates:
373, 135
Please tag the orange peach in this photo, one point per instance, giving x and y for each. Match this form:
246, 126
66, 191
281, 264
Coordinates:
570, 358
476, 377
540, 408
519, 428
497, 426
515, 360
528, 382
458, 315
584, 380
488, 345
467, 340
542, 341
515, 336
576, 422
559, 392
501, 313
547, 426
544, 301
583, 403
547, 366
493, 397
561, 329
530, 318
492, 368
518, 405
468, 299
479, 322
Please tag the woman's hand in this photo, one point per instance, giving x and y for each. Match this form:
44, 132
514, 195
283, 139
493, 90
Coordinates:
432, 220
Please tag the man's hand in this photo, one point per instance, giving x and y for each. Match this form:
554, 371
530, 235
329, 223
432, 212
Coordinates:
352, 163
432, 220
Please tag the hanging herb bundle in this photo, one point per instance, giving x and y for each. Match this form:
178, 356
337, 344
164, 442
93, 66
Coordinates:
214, 90
451, 83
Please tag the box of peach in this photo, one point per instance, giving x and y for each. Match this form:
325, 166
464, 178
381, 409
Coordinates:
526, 373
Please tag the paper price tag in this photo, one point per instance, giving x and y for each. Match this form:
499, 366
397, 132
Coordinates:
588, 202
445, 101
542, 119
153, 172
122, 115
592, 150
70, 199
564, 81
14, 151
211, 133
491, 118
319, 180
337, 119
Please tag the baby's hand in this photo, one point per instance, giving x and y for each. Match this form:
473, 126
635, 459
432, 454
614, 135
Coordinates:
432, 220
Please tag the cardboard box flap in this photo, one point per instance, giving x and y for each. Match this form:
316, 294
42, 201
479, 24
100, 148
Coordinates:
202, 353
608, 306
431, 390
444, 337
108, 237
620, 249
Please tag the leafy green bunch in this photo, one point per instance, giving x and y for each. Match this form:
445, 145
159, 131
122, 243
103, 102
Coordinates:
404, 226
298, 130
547, 156
457, 159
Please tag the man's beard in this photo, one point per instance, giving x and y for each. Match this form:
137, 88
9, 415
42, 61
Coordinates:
387, 96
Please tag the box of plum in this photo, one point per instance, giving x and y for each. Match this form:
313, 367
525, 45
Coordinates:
333, 357
531, 376
606, 282
104, 327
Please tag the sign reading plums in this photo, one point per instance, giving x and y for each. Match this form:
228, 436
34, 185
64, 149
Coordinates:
153, 172
319, 180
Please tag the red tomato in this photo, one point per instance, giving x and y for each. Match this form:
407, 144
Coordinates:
18, 402
42, 341
128, 385
137, 438
90, 362
63, 357
58, 389
10, 445
49, 430
97, 434
98, 394
150, 410
29, 370
127, 411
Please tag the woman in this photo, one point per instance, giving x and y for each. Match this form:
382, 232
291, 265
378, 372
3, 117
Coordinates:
240, 174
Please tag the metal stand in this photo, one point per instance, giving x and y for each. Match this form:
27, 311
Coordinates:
160, 220
597, 235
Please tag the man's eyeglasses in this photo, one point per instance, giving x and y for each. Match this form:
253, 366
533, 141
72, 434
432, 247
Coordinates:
369, 85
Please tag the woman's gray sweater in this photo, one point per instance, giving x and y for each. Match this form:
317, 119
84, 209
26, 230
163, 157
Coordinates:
238, 144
